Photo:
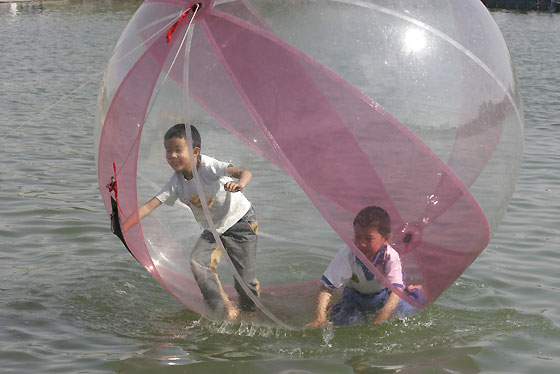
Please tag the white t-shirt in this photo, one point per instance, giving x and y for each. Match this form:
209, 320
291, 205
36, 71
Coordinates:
226, 207
347, 270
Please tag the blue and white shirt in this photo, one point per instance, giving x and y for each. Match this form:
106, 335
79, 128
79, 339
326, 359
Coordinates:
347, 270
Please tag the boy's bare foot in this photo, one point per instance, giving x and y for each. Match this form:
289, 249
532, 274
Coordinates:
232, 313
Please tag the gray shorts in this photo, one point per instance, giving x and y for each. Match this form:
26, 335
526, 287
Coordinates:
240, 243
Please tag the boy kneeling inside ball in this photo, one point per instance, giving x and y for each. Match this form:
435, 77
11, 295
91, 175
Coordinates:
364, 298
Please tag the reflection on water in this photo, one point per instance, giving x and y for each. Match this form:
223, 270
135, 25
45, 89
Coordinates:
434, 360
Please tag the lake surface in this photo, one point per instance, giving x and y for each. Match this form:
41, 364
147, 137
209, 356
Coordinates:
73, 300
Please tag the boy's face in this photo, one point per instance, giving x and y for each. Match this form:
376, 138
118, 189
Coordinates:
369, 240
178, 156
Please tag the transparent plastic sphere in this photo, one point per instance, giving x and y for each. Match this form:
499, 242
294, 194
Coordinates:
334, 106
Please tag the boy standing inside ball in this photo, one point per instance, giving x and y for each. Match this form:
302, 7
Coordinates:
364, 298
231, 212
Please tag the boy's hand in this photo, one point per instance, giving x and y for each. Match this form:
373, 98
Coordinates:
232, 186
381, 318
385, 313
243, 178
316, 323
323, 300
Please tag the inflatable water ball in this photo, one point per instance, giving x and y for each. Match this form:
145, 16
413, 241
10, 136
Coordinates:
411, 106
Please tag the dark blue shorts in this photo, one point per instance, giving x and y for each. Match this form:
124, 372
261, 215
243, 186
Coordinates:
355, 308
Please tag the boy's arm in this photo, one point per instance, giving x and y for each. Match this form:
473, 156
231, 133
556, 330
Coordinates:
385, 313
323, 300
143, 211
243, 176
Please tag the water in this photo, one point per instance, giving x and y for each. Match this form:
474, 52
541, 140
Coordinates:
72, 300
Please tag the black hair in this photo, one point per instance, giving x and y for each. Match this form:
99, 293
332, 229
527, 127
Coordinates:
374, 217
178, 131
